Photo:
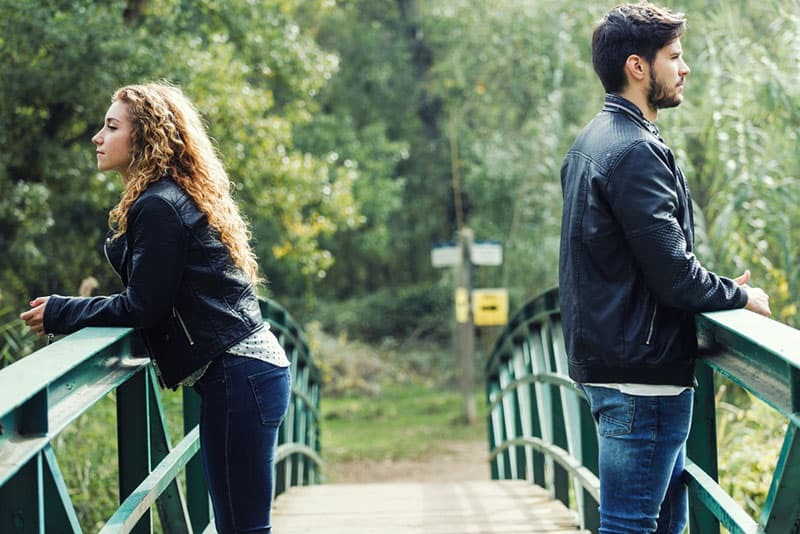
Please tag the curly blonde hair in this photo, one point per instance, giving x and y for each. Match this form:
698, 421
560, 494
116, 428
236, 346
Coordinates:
168, 138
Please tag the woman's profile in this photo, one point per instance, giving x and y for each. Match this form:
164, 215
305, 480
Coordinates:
181, 248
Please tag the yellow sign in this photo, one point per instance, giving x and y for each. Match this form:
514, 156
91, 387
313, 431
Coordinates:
462, 305
490, 307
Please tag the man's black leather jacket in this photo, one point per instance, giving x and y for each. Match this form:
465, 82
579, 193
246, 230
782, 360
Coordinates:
629, 283
183, 292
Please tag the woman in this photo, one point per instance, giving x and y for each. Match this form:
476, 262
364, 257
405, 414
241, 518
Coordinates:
181, 247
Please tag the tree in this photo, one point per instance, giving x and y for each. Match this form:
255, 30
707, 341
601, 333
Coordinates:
252, 73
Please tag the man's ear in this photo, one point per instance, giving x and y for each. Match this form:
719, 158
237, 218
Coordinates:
636, 68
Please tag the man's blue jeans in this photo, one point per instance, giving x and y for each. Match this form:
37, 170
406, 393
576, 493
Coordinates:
244, 401
642, 442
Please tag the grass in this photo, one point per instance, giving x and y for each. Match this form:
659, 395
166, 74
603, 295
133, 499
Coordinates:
392, 401
405, 421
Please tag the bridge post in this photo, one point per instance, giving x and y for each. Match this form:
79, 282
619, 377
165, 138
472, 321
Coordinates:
590, 459
560, 475
702, 448
196, 485
133, 436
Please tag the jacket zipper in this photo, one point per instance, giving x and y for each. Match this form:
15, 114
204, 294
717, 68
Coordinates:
177, 316
122, 262
105, 252
652, 325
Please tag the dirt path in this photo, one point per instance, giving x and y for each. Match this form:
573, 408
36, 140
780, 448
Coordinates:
457, 461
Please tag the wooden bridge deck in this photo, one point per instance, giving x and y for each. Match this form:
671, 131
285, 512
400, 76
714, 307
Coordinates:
484, 507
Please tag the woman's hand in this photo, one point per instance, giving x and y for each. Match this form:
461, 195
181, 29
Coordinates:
34, 317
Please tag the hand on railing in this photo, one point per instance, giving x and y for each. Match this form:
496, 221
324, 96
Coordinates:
757, 299
34, 317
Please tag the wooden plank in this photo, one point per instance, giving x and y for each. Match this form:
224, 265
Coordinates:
472, 507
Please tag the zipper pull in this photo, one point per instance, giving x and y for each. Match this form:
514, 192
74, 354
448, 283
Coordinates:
179, 319
50, 338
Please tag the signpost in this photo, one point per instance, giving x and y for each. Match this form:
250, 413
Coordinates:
480, 307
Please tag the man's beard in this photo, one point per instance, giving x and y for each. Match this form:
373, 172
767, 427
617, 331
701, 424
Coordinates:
659, 95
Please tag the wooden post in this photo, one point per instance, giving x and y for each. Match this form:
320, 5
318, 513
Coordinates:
464, 332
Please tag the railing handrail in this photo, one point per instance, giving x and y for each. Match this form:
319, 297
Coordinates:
26, 377
527, 369
44, 392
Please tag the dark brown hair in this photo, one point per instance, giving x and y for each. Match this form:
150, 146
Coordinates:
642, 29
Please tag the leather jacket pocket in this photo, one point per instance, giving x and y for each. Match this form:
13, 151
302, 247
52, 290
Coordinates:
172, 346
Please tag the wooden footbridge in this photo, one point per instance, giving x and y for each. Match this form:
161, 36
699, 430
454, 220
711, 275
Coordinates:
501, 507
541, 454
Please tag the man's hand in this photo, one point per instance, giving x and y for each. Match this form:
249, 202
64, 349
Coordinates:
757, 300
34, 317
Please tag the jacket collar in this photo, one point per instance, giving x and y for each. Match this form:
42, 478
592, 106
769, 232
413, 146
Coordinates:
615, 104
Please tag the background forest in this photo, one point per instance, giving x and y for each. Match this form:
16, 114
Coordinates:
345, 126
359, 132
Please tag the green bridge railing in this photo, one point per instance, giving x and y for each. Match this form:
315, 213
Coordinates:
540, 427
44, 392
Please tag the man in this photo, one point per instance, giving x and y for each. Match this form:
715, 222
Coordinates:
630, 283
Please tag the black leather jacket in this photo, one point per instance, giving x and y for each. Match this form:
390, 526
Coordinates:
183, 292
629, 283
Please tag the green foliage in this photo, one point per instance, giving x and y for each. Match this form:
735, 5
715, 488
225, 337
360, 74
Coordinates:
87, 456
749, 439
377, 116
347, 128
15, 338
400, 314
249, 68
739, 142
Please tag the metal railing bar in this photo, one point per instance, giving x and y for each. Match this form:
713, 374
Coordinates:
17, 449
51, 465
146, 493
544, 378
754, 335
719, 503
81, 397
286, 450
765, 348
309, 404
765, 386
588, 479
26, 377
17, 452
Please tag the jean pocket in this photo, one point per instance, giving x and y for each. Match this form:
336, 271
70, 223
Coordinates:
272, 389
617, 419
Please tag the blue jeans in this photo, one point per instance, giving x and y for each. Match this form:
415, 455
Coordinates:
642, 442
244, 401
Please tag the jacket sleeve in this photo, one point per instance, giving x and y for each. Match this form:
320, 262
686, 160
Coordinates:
159, 245
643, 194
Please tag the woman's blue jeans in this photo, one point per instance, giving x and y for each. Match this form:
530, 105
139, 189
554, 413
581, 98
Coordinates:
642, 442
244, 401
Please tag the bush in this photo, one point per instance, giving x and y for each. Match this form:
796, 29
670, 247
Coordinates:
397, 313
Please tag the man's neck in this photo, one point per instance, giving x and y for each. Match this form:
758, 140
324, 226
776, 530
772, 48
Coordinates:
640, 101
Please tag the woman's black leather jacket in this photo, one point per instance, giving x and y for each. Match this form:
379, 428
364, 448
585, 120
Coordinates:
629, 282
183, 293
